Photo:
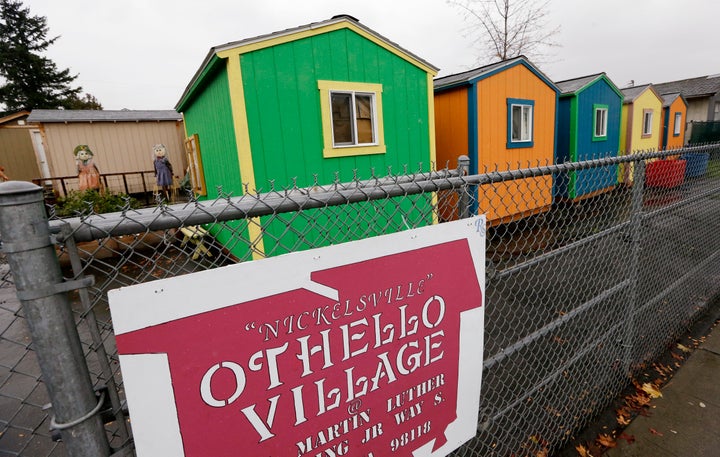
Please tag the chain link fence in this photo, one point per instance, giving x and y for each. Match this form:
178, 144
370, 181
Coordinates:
579, 294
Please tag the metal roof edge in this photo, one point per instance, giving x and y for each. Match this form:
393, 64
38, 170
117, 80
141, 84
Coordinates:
52, 116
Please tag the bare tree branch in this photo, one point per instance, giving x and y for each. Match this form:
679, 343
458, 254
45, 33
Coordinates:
503, 29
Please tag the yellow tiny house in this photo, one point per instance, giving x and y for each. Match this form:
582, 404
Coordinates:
674, 119
640, 124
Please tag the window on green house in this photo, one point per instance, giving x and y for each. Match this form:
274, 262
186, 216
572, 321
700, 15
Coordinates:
647, 122
520, 123
352, 118
600, 122
677, 125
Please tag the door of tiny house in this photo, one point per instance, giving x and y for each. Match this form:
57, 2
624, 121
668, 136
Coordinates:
41, 155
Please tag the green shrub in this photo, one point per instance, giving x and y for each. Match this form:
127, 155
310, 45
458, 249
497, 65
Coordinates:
78, 202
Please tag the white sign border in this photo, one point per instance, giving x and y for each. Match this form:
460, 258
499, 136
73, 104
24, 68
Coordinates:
156, 429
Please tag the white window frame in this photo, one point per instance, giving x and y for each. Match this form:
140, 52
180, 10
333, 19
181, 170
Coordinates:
602, 122
526, 129
353, 118
647, 121
678, 124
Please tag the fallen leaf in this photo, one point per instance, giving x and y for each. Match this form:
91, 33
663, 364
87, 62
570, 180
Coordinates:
639, 400
702, 405
683, 348
583, 451
606, 440
677, 356
655, 432
542, 453
629, 438
623, 420
651, 390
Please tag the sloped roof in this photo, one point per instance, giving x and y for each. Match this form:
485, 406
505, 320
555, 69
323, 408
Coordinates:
299, 32
88, 115
471, 76
570, 86
632, 93
468, 76
703, 86
13, 116
669, 99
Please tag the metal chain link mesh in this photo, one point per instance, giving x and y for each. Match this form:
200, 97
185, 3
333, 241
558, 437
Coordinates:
24, 425
580, 292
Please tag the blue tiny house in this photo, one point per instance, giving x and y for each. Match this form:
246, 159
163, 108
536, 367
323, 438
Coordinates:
589, 110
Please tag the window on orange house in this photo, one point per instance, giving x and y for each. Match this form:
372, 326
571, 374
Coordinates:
520, 123
677, 125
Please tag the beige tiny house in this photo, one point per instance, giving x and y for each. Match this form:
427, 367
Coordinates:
122, 142
16, 148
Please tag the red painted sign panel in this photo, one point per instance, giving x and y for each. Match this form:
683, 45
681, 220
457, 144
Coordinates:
371, 350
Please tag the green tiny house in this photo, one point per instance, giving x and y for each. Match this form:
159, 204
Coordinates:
326, 101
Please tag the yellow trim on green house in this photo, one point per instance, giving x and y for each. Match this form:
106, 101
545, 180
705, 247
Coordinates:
329, 150
242, 139
431, 139
262, 44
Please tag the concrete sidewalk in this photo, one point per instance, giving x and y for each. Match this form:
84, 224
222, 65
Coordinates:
685, 421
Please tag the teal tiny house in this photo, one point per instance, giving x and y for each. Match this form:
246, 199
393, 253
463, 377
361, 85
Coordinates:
307, 102
589, 111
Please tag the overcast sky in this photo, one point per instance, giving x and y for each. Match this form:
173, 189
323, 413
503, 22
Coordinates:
140, 54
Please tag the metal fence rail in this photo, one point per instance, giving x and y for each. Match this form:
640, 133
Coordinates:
579, 294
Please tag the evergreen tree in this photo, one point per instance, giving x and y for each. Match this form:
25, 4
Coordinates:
27, 79
86, 102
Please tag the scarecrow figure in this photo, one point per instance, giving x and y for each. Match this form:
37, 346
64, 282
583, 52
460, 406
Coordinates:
163, 170
88, 174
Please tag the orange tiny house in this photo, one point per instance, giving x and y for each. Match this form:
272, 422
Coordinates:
674, 117
503, 116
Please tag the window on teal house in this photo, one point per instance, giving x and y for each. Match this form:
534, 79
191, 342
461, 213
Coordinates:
351, 118
677, 125
647, 122
520, 123
600, 122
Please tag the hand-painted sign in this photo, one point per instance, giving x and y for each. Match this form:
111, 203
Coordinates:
364, 349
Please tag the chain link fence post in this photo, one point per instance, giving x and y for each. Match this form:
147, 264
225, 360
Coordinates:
42, 293
636, 218
464, 192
